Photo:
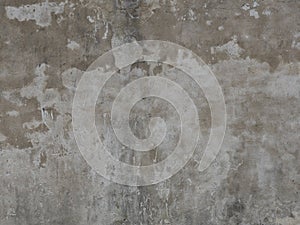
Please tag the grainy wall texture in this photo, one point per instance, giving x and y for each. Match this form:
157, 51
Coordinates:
252, 47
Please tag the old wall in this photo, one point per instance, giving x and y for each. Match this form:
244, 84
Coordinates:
253, 49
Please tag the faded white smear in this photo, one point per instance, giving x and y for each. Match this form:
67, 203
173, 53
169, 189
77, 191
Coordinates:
41, 12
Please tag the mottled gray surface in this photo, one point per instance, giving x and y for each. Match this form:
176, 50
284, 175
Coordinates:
253, 48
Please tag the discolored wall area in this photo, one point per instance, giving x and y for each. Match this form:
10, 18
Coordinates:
253, 49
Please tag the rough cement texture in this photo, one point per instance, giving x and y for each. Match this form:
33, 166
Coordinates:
253, 48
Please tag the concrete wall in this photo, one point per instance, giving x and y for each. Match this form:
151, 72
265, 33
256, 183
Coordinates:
253, 49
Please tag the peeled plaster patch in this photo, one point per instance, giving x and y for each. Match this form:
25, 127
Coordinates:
267, 12
231, 48
254, 13
90, 19
192, 15
38, 85
296, 43
72, 45
12, 113
255, 4
71, 77
41, 13
246, 7
220, 28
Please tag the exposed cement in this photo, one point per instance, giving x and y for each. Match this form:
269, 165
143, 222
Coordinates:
253, 48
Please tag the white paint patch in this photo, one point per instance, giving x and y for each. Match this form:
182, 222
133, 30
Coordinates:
41, 13
267, 12
72, 5
173, 4
60, 19
90, 19
220, 28
246, 7
208, 22
2, 137
72, 45
47, 118
13, 113
295, 43
255, 4
231, 48
192, 15
254, 13
297, 35
106, 32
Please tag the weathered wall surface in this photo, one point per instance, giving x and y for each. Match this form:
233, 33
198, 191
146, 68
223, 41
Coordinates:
253, 48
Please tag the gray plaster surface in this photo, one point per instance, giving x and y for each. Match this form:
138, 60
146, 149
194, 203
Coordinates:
252, 48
